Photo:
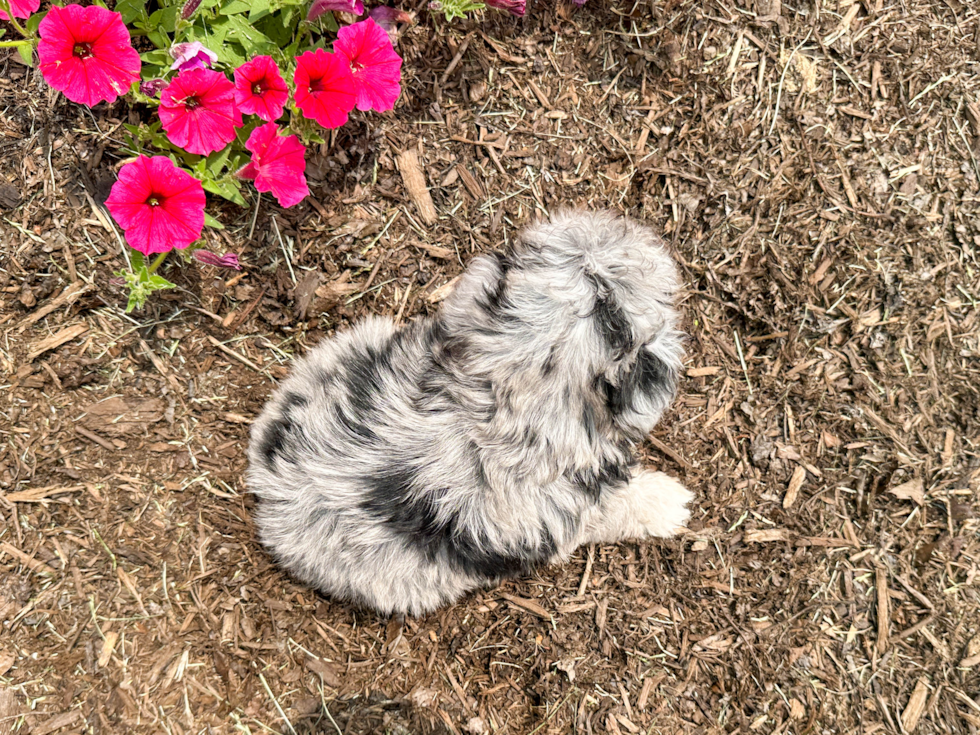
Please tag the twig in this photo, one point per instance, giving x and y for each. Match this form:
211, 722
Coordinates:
95, 438
276, 702
231, 353
587, 574
275, 226
782, 79
457, 58
554, 711
670, 453
255, 215
741, 359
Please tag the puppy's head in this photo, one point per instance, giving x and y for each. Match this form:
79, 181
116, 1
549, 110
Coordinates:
630, 283
583, 300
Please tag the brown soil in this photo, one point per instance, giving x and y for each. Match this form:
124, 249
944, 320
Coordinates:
815, 170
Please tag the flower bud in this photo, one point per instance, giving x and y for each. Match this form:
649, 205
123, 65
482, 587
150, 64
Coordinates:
228, 260
189, 7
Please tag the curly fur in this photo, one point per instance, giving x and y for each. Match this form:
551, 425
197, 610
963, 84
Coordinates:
402, 468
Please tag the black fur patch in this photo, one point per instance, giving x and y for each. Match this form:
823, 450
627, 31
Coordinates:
648, 375
608, 475
353, 426
548, 367
495, 302
610, 319
468, 556
589, 422
363, 381
294, 400
390, 499
274, 440
613, 326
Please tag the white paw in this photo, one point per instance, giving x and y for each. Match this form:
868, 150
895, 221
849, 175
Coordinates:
660, 504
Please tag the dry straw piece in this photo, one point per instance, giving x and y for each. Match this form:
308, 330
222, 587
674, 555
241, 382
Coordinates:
916, 706
795, 483
411, 171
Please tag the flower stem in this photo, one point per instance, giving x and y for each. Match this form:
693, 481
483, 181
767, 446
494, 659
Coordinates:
5, 7
12, 44
156, 262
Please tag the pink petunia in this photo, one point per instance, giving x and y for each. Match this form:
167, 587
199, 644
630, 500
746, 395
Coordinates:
324, 87
198, 111
278, 165
260, 89
514, 7
158, 206
373, 62
86, 53
192, 55
23, 8
319, 7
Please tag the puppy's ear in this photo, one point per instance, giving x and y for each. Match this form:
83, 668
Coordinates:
646, 385
611, 323
478, 292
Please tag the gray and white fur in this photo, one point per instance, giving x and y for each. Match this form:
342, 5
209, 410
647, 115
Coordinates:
400, 468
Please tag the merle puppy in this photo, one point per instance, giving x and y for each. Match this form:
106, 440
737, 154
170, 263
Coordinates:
400, 468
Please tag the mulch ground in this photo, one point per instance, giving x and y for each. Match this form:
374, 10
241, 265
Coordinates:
815, 169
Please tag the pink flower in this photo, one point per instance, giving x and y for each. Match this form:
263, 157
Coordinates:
158, 206
24, 8
373, 61
278, 164
389, 18
319, 7
192, 55
514, 7
228, 260
324, 87
260, 89
86, 53
198, 111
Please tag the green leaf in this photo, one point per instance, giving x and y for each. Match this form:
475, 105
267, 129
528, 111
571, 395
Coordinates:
156, 282
215, 163
235, 6
457, 8
156, 57
141, 282
250, 38
159, 39
33, 22
278, 30
259, 9
165, 19
212, 222
131, 10
26, 52
227, 188
329, 21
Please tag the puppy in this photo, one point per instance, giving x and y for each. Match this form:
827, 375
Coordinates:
400, 468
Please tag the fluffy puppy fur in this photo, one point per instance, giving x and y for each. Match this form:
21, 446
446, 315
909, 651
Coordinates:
400, 468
